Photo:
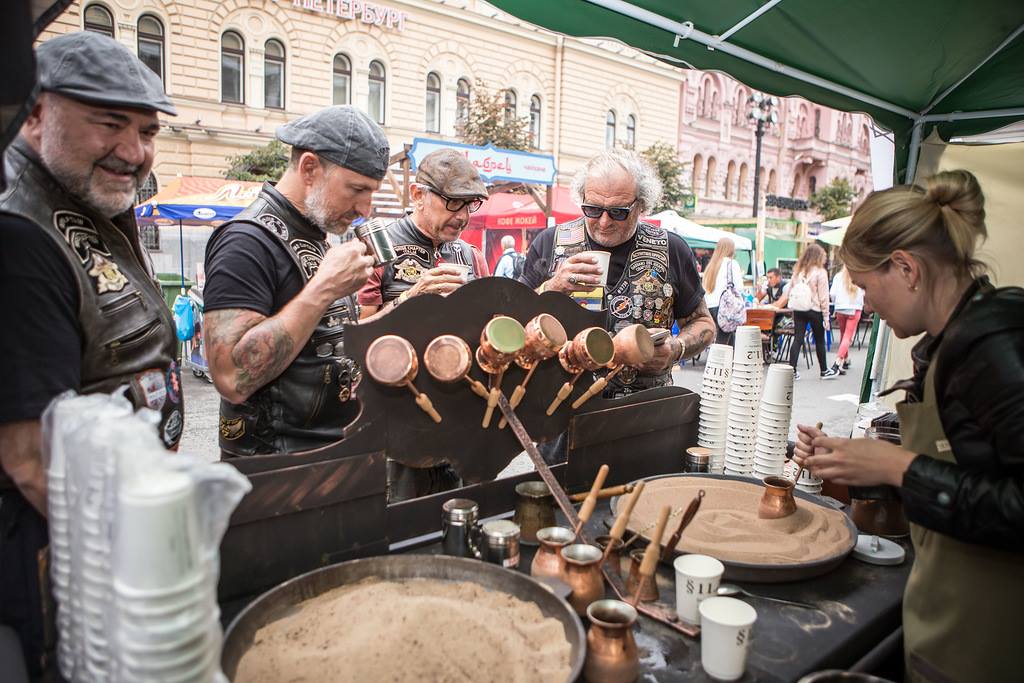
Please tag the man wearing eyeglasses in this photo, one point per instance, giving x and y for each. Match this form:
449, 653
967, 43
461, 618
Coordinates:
652, 278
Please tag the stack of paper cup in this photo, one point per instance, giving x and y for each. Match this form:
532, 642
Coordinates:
92, 571
169, 621
59, 520
773, 421
714, 404
808, 483
744, 397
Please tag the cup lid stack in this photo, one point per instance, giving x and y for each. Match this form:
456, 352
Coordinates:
714, 405
745, 386
773, 420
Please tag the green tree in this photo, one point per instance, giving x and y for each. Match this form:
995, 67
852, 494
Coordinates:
263, 163
666, 162
488, 122
833, 200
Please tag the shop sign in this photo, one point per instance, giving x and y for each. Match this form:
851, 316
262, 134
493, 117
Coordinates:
493, 163
366, 12
786, 203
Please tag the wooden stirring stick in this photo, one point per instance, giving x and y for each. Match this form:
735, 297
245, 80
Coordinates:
492, 399
800, 470
518, 393
423, 401
478, 387
688, 516
610, 492
563, 393
597, 387
622, 521
651, 555
590, 502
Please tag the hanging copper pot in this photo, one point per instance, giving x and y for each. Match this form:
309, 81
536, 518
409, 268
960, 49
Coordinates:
500, 340
612, 655
391, 361
544, 337
591, 349
633, 347
448, 359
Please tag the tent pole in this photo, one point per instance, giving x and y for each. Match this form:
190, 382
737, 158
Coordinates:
181, 252
970, 115
764, 8
915, 145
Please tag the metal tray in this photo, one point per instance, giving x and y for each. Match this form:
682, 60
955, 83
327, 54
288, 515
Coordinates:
277, 600
768, 573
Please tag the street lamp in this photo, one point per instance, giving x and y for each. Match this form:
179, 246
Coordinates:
762, 111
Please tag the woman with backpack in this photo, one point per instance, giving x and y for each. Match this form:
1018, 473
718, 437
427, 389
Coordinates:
849, 301
808, 299
722, 280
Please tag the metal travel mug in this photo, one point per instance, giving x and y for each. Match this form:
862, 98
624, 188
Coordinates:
697, 459
499, 543
374, 234
458, 527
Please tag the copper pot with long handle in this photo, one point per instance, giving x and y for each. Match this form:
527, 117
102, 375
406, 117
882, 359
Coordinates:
591, 349
548, 559
500, 340
545, 336
612, 654
633, 347
449, 359
391, 360
583, 574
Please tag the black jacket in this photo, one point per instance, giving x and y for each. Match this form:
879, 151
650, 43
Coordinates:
979, 386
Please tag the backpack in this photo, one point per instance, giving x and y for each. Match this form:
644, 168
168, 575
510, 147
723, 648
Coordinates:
800, 294
518, 262
732, 310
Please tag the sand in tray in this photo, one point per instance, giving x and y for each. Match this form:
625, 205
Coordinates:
727, 526
411, 630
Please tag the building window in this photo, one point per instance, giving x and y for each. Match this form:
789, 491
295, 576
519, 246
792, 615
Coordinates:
433, 103
730, 178
741, 189
772, 182
698, 173
630, 132
812, 185
149, 235
510, 105
817, 123
151, 43
378, 85
535, 121
609, 129
232, 68
462, 100
710, 178
342, 80
98, 19
273, 75
147, 190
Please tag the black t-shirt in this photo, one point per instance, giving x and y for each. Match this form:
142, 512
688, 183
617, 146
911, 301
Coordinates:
683, 274
247, 267
41, 337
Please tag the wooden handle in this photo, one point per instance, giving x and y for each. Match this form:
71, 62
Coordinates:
609, 492
800, 470
513, 401
652, 553
595, 388
477, 386
691, 512
492, 401
423, 401
619, 528
590, 502
563, 394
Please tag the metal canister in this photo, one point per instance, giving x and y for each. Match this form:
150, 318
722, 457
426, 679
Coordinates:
499, 543
697, 459
458, 527
374, 234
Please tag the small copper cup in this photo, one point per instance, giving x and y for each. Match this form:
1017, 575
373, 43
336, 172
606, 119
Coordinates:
500, 340
633, 346
591, 349
612, 654
633, 582
391, 360
544, 337
777, 501
448, 359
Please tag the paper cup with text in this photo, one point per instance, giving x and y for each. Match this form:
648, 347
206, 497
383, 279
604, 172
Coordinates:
697, 578
604, 259
725, 629
463, 269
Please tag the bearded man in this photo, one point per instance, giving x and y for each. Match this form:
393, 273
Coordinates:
277, 294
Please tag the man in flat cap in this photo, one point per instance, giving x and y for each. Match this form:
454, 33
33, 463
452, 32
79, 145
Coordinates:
277, 294
81, 308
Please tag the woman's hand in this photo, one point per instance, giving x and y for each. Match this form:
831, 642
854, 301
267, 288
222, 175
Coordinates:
856, 462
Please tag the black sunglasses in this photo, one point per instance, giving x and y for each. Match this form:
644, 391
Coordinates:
616, 213
456, 205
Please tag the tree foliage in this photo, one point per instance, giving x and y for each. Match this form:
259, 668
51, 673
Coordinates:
833, 200
487, 122
263, 163
666, 162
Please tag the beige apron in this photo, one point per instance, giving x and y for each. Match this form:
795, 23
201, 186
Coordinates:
963, 610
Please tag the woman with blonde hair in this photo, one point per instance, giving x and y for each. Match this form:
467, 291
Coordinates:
808, 298
849, 302
723, 272
960, 468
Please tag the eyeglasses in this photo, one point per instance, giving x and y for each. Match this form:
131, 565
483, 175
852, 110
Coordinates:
456, 205
616, 213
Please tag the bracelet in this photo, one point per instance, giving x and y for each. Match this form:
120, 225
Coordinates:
402, 297
682, 350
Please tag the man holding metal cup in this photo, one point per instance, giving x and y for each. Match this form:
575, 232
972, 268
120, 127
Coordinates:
277, 294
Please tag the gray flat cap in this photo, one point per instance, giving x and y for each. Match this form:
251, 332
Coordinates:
343, 135
95, 69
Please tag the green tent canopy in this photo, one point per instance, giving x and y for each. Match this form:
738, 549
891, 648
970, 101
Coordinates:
911, 65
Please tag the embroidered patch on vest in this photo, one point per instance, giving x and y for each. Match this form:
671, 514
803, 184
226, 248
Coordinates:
409, 270
172, 428
275, 224
309, 256
107, 275
231, 430
80, 233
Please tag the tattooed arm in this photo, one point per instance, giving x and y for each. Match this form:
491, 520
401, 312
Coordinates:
697, 330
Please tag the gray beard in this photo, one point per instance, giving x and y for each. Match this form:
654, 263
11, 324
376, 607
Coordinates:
317, 213
79, 184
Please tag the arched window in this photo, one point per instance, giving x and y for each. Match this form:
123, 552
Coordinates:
151, 43
803, 122
812, 185
698, 172
377, 79
273, 75
462, 99
147, 189
730, 178
342, 88
741, 185
865, 138
710, 179
630, 132
98, 19
817, 123
609, 129
232, 68
432, 122
773, 185
739, 118
535, 121
510, 105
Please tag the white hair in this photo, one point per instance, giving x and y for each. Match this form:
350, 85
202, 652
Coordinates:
508, 241
648, 184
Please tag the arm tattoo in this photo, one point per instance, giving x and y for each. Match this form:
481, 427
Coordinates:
697, 330
259, 348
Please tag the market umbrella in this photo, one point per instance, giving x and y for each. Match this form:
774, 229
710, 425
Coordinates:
836, 231
697, 235
507, 211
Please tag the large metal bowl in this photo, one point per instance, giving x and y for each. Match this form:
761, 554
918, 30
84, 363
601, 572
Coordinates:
768, 573
275, 602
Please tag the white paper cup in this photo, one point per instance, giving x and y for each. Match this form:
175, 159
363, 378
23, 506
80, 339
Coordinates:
719, 355
604, 259
726, 625
463, 269
697, 578
778, 389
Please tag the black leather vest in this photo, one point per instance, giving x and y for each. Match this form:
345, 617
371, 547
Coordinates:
310, 403
415, 254
128, 333
642, 295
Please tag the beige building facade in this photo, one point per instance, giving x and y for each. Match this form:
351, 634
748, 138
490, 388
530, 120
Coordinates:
236, 69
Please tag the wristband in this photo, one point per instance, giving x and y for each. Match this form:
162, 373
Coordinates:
682, 350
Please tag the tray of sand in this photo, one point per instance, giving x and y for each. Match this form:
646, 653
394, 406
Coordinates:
420, 618
811, 542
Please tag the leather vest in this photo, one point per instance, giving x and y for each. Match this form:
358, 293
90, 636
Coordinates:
128, 336
642, 295
415, 254
310, 403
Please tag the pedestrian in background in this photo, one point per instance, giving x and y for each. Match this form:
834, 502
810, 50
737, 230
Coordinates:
510, 264
808, 299
849, 301
722, 272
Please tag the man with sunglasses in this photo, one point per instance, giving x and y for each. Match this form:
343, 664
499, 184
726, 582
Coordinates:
652, 278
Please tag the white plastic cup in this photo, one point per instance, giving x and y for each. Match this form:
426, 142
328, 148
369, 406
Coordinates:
463, 269
726, 625
604, 259
697, 578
